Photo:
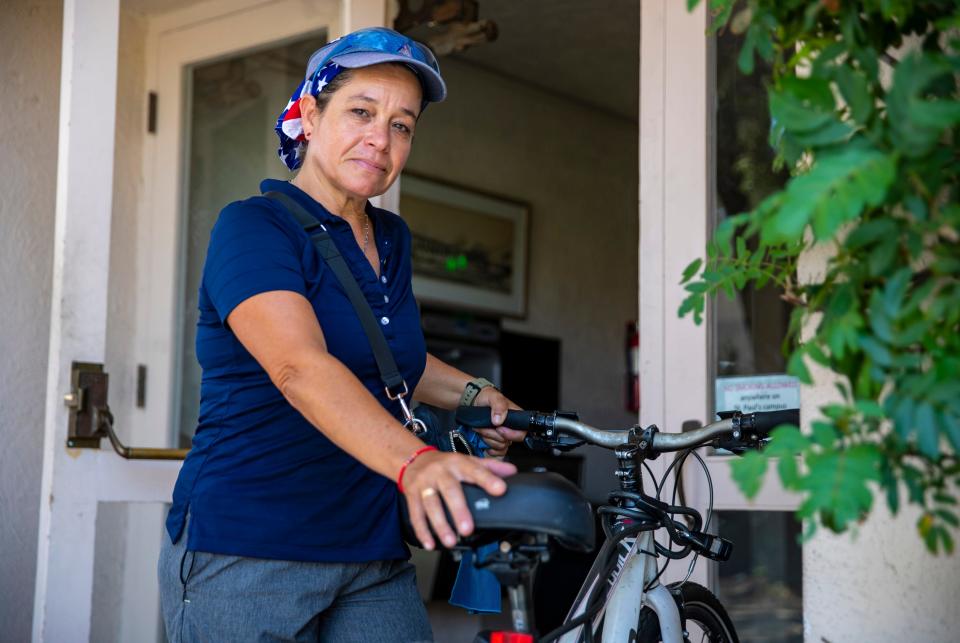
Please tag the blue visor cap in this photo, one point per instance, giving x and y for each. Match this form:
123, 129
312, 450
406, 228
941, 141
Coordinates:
377, 45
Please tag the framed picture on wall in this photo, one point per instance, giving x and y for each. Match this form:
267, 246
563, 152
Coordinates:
469, 248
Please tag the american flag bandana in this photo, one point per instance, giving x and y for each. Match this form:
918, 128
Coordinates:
289, 126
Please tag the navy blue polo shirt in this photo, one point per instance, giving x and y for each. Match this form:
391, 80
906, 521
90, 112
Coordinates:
260, 480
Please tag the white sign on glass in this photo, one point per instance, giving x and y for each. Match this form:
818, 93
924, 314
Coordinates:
757, 393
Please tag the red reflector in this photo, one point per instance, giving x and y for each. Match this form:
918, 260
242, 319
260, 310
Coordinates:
510, 637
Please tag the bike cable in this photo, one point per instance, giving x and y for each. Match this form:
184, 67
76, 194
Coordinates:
679, 458
678, 463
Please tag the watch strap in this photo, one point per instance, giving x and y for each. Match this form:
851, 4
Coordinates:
472, 390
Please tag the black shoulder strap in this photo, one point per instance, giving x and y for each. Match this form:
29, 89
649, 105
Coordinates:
389, 373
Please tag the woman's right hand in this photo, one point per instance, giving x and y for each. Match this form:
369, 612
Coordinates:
434, 478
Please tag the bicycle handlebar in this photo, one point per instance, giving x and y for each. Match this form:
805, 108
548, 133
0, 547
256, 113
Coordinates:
757, 424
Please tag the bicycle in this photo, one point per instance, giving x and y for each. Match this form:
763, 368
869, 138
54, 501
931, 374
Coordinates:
621, 598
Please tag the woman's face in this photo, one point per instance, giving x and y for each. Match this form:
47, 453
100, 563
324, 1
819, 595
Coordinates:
361, 141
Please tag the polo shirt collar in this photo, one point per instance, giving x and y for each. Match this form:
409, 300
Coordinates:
313, 207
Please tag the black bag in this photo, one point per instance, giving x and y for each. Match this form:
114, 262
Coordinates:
423, 422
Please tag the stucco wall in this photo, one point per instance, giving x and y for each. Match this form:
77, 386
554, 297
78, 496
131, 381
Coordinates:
877, 583
577, 168
30, 76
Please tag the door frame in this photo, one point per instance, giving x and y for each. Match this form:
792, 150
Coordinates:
677, 120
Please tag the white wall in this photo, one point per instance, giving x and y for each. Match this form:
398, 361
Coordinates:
30, 76
577, 168
877, 583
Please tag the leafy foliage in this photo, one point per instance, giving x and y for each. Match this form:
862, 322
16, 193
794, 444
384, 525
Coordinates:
864, 109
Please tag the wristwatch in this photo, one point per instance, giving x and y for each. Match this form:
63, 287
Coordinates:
472, 390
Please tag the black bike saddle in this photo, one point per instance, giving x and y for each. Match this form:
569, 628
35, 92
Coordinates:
538, 503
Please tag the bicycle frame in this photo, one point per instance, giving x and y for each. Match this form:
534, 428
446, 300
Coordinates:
636, 568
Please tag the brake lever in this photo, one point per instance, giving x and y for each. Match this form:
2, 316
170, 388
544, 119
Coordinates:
713, 547
556, 442
739, 446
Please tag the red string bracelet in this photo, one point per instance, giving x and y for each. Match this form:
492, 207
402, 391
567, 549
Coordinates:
404, 466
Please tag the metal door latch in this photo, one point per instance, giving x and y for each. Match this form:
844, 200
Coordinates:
91, 420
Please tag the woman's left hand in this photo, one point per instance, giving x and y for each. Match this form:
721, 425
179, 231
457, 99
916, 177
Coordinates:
497, 437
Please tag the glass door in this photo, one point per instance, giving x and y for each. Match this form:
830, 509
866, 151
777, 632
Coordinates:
761, 584
232, 106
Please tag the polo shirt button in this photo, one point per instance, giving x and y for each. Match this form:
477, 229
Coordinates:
383, 278
384, 320
386, 299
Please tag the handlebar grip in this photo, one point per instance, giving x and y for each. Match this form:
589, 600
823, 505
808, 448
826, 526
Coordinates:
766, 421
479, 417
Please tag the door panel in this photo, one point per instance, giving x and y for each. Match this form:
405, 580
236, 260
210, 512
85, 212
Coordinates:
233, 105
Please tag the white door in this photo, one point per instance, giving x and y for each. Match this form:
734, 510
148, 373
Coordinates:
197, 48
702, 153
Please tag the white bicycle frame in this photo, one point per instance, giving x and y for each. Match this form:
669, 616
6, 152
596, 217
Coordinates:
626, 597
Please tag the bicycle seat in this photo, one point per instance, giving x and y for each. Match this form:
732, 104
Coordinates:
539, 503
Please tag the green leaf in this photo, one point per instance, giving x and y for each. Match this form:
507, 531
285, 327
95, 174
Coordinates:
870, 409
834, 132
855, 89
879, 353
786, 440
950, 425
914, 481
916, 123
903, 416
947, 540
748, 472
816, 354
787, 443
944, 499
869, 232
835, 191
824, 434
797, 367
917, 206
881, 258
947, 517
928, 438
895, 291
691, 270
745, 59
837, 484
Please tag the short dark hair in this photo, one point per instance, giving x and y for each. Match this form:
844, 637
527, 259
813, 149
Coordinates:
341, 79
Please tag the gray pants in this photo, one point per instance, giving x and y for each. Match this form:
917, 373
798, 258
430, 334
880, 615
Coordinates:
214, 597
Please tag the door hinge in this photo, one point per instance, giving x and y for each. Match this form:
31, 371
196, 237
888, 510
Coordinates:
152, 113
141, 386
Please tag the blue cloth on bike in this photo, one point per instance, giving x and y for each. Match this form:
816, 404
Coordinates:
477, 590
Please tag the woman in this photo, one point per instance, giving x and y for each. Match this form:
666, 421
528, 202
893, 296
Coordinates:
284, 519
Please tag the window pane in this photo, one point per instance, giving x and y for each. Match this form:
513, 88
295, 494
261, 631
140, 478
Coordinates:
750, 329
233, 107
761, 584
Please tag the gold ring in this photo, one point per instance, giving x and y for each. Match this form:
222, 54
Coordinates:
429, 491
